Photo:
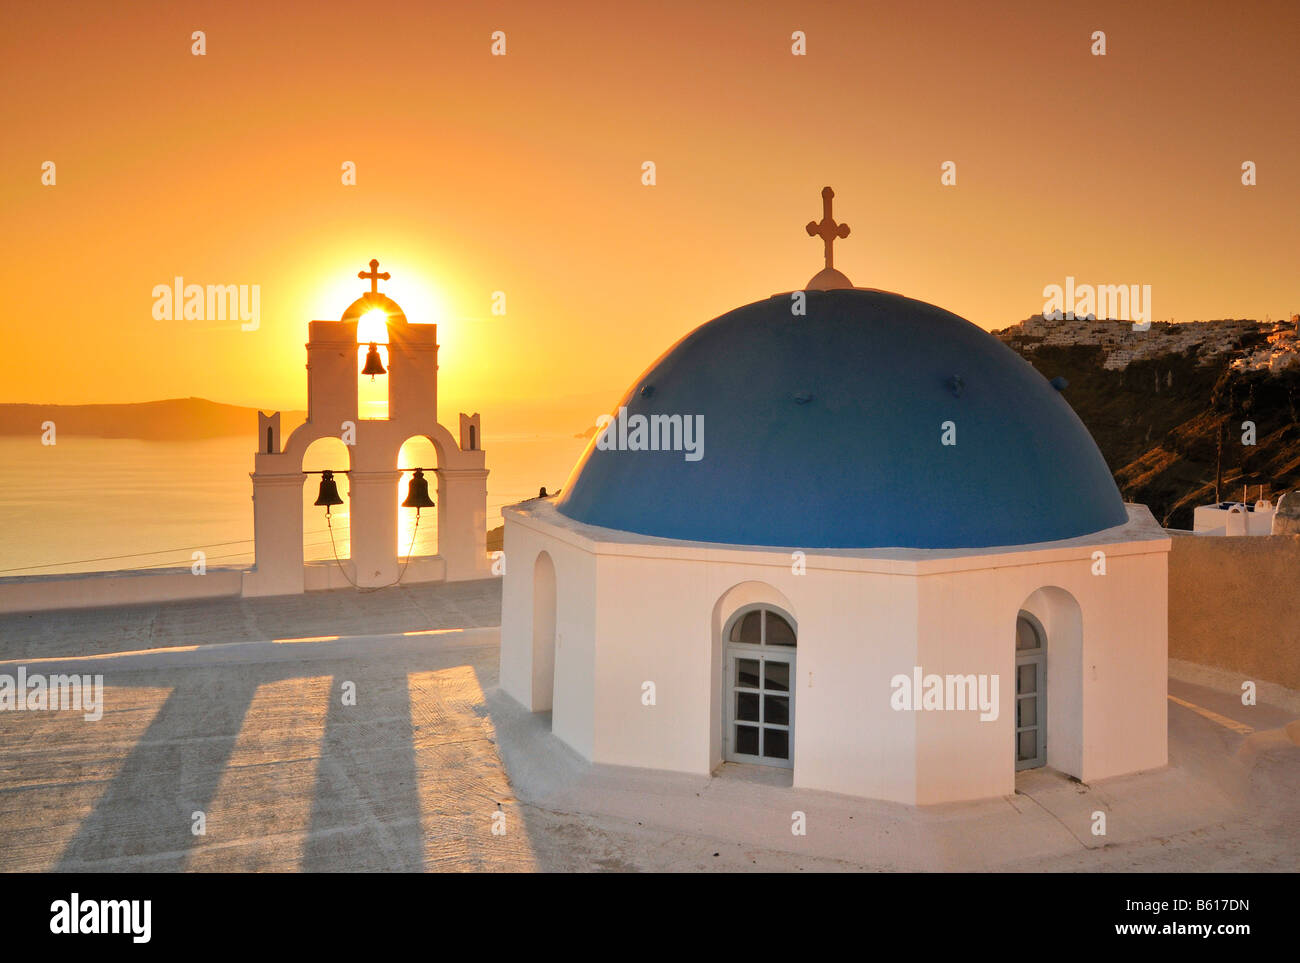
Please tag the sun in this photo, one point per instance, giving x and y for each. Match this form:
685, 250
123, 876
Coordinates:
373, 326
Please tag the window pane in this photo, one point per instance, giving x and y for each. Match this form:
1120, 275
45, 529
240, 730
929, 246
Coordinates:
1027, 744
747, 740
779, 631
776, 676
1026, 678
1026, 635
747, 673
1027, 712
776, 709
747, 628
776, 743
747, 706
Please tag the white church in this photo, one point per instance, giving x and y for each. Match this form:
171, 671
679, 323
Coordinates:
853, 535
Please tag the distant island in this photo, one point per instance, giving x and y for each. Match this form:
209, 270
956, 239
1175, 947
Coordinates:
177, 419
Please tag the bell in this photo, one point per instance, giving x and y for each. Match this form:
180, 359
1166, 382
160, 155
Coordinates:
329, 492
373, 365
417, 493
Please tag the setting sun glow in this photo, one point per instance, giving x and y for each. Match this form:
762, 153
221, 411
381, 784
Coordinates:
373, 327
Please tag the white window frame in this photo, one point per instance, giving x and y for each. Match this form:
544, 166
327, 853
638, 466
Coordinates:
762, 652
1036, 657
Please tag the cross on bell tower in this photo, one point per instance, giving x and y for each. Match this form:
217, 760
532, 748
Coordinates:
375, 277
828, 230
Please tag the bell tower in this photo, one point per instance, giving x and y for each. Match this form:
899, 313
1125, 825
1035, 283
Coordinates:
334, 356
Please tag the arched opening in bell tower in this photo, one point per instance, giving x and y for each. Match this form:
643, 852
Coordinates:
321, 455
417, 452
372, 365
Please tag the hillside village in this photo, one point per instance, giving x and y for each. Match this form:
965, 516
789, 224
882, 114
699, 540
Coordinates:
1264, 345
1167, 405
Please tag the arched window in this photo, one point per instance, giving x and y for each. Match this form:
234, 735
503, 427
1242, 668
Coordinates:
761, 625
1031, 692
760, 675
1029, 632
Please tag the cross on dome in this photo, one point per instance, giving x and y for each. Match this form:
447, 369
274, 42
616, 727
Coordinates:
827, 230
375, 277
828, 278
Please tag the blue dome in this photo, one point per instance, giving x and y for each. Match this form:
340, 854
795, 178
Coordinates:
824, 431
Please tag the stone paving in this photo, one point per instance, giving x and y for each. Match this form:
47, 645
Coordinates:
239, 714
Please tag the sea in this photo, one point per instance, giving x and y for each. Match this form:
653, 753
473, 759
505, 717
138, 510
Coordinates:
90, 504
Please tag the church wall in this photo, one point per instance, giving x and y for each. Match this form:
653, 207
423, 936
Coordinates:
572, 717
1106, 697
332, 373
462, 523
856, 630
657, 624
630, 614
277, 532
654, 626
1126, 670
520, 546
413, 372
967, 623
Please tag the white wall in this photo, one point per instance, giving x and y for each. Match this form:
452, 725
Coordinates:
659, 620
1212, 520
572, 715
520, 547
1106, 695
654, 625
1126, 670
637, 610
45, 593
966, 625
857, 631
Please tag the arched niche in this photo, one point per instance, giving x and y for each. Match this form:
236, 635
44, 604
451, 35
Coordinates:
1058, 614
543, 631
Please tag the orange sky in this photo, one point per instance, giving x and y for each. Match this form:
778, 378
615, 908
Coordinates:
522, 174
